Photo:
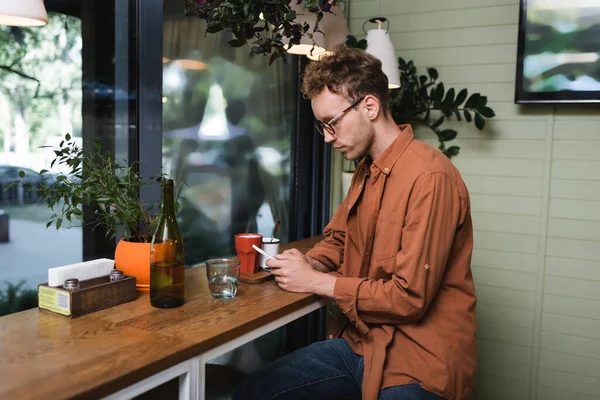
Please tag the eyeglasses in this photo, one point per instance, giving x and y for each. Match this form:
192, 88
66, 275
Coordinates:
322, 127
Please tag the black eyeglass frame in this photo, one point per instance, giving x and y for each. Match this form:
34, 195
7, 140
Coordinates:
328, 126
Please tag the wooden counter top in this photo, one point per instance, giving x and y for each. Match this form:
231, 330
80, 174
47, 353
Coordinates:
45, 356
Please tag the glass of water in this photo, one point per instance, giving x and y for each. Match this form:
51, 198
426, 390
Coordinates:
223, 275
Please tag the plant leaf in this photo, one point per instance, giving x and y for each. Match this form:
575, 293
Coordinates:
351, 41
239, 42
401, 63
433, 73
457, 114
481, 101
449, 99
214, 28
437, 123
462, 95
486, 112
452, 151
472, 101
438, 94
448, 134
479, 121
468, 116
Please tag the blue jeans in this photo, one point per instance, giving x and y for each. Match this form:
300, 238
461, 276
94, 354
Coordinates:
323, 370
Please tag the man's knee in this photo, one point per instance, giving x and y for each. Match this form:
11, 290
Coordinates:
317, 359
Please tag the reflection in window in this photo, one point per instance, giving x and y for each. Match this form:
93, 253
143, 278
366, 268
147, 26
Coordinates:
40, 101
228, 121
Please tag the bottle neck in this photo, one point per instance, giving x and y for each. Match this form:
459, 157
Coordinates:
168, 201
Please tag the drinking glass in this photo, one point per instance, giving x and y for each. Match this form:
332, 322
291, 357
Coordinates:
223, 275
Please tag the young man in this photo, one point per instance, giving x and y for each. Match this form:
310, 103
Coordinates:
395, 258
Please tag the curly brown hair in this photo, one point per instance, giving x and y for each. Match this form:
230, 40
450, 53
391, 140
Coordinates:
349, 72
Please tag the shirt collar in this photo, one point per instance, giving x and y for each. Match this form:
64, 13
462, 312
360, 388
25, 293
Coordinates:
386, 160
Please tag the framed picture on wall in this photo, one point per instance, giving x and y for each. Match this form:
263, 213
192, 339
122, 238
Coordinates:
558, 56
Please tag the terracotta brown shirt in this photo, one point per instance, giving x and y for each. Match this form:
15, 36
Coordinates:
400, 245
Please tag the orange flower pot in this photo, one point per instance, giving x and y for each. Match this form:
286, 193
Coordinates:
134, 259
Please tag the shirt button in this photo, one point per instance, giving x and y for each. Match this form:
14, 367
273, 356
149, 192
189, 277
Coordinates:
360, 186
349, 207
386, 169
330, 336
426, 266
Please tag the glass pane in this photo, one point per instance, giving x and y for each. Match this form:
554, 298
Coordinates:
228, 121
61, 78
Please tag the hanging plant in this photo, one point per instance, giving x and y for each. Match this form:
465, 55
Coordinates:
265, 25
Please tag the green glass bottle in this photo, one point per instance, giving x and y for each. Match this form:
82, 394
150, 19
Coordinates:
167, 258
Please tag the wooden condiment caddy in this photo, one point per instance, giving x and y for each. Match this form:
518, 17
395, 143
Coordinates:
91, 295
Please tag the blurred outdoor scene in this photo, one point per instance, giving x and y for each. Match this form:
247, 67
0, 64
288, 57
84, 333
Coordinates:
562, 46
40, 101
227, 137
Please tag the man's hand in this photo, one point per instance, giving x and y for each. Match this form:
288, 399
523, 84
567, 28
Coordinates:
315, 264
294, 273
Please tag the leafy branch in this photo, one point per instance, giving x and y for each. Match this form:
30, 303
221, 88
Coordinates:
23, 75
420, 96
263, 24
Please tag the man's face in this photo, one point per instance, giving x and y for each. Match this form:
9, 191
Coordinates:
353, 130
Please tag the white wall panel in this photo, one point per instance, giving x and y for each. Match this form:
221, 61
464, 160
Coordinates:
506, 223
505, 260
574, 383
504, 333
572, 268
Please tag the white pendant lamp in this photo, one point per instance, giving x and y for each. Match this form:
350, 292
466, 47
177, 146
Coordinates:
23, 13
335, 28
314, 46
380, 46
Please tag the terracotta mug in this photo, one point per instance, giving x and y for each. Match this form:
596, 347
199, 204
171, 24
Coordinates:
247, 255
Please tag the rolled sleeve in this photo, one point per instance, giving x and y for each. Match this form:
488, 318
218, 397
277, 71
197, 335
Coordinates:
328, 252
345, 293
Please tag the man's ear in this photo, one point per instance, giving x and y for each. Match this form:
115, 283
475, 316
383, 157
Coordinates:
372, 106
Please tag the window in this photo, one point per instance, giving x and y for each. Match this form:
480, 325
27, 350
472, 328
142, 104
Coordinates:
72, 76
228, 123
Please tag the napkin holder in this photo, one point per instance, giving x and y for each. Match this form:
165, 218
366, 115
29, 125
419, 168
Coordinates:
92, 295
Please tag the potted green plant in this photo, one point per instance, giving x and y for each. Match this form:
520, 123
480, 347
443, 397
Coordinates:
113, 190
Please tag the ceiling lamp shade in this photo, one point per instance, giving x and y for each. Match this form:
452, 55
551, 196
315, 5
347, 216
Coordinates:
23, 13
335, 28
380, 46
314, 46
